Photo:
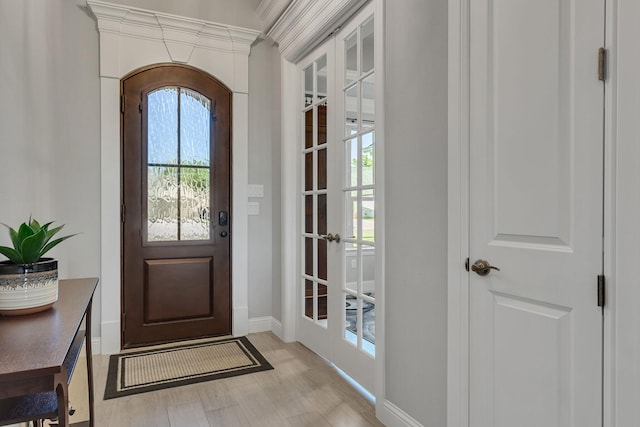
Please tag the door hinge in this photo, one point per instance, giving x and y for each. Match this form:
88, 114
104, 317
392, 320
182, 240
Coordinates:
602, 64
140, 108
122, 212
601, 290
466, 264
122, 103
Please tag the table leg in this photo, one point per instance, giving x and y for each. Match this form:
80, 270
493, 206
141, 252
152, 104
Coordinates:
62, 392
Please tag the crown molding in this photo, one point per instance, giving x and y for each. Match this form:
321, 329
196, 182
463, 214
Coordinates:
270, 10
181, 35
305, 23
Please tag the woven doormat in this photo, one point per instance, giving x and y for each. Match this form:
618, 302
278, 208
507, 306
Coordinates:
142, 371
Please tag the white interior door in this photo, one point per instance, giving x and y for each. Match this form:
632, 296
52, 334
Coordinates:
536, 212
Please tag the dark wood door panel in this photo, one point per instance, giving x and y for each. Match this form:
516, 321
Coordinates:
178, 289
175, 286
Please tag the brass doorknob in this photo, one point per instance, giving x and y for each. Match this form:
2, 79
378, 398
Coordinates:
331, 237
482, 267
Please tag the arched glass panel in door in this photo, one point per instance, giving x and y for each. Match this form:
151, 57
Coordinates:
178, 168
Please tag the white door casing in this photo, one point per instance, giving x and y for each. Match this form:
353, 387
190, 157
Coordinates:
535, 211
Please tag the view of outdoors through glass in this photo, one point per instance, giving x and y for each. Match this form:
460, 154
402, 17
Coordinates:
359, 187
178, 165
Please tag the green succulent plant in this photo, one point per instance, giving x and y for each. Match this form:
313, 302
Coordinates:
31, 242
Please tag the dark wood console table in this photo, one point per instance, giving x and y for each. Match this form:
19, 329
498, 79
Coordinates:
38, 353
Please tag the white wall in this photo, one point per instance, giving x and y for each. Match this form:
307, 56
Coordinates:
416, 208
49, 126
264, 160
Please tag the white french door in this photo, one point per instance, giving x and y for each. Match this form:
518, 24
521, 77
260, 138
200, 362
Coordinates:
337, 281
536, 213
355, 343
316, 284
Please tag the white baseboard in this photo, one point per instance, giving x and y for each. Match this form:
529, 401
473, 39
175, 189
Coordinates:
259, 324
392, 416
276, 328
264, 324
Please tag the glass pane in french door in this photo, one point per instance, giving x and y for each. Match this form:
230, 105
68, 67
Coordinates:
359, 261
314, 194
359, 250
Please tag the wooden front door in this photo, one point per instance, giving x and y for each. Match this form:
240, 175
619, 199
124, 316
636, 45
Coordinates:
175, 213
536, 213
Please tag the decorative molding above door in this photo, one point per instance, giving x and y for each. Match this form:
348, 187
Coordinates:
180, 35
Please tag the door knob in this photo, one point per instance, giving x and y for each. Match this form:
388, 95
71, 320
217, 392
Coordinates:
331, 237
482, 267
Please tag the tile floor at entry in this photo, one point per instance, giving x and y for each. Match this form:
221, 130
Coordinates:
302, 390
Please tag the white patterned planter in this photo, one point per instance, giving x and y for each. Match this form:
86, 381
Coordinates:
26, 289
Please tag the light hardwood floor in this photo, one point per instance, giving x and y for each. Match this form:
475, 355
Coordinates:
301, 390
